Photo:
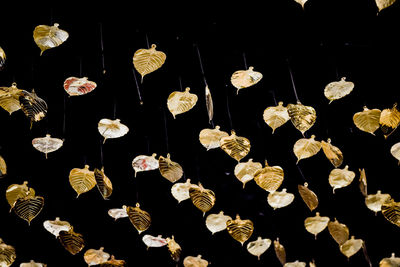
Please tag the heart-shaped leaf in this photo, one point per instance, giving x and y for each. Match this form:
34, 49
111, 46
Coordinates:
47, 144
112, 128
47, 37
308, 196
280, 199
382, 4
316, 224
217, 222
306, 147
280, 251
203, 199
389, 120
210, 138
82, 180
302, 117
146, 61
391, 211
154, 241
245, 78
78, 86
339, 178
240, 230
191, 261
351, 246
367, 120
336, 90
235, 146
71, 241
118, 213
269, 178
181, 102
259, 246
103, 183
169, 169
332, 153
245, 171
180, 191
145, 163
338, 231
140, 219
95, 256
56, 226
29, 207
9, 98
277, 116
16, 191
393, 261
375, 201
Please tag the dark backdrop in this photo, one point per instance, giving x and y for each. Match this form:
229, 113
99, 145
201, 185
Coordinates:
323, 42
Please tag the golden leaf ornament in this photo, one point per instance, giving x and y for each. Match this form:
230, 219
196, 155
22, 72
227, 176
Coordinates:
339, 178
351, 246
276, 116
146, 61
332, 153
209, 104
181, 102
244, 171
217, 222
210, 138
17, 191
32, 263
118, 213
367, 120
306, 148
259, 246
338, 231
245, 78
56, 226
302, 117
7, 254
269, 178
47, 144
363, 182
374, 202
336, 90
9, 98
174, 248
3, 167
28, 207
191, 261
154, 241
308, 196
145, 163
389, 120
113, 262
316, 224
3, 58
393, 261
112, 128
382, 4
203, 199
395, 151
295, 264
235, 146
103, 183
169, 169
95, 256
180, 191
280, 199
73, 242
240, 230
47, 37
280, 251
33, 106
140, 219
75, 86
391, 211
301, 2
82, 180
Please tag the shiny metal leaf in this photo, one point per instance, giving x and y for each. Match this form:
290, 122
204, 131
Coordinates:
78, 86
240, 230
339, 178
95, 256
9, 98
33, 106
280, 199
7, 254
367, 120
16, 191
82, 180
145, 163
336, 90
351, 246
389, 120
338, 231
3, 167
301, 2
295, 264
140, 219
245, 78
47, 144
180, 191
235, 146
316, 224
302, 117
306, 147
118, 213
47, 37
245, 171
332, 153
210, 138
71, 241
103, 183
375, 201
112, 128
113, 263
276, 116
395, 151
28, 207
280, 251
174, 248
217, 222
203, 199
269, 178
391, 211
191, 261
154, 241
169, 169
181, 102
32, 263
56, 226
382, 4
393, 261
259, 246
3, 58
209, 104
146, 61
308, 196
363, 183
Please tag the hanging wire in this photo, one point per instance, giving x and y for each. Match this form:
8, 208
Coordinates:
245, 61
115, 107
273, 96
301, 172
101, 153
291, 78
165, 129
137, 87
180, 83
102, 48
201, 64
147, 41
228, 109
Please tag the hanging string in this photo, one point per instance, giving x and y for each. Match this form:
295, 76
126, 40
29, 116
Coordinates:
273, 96
102, 48
101, 153
180, 83
245, 62
228, 109
115, 107
51, 16
201, 65
165, 129
291, 78
147, 41
301, 173
137, 87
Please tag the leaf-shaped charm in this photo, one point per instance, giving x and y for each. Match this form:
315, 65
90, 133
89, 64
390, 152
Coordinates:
47, 37
174, 248
56, 226
235, 146
337, 90
118, 213
210, 138
32, 263
302, 117
78, 86
140, 219
180, 191
47, 144
382, 4
269, 178
306, 147
301, 2
245, 171
339, 178
103, 183
191, 261
71, 241
259, 246
295, 264
280, 251
375, 201
395, 151
3, 167
82, 180
95, 256
33, 106
145, 163
29, 207
203, 199
391, 211
367, 120
217, 222
181, 102
148, 60
363, 183
351, 246
240, 230
280, 199
277, 116
338, 231
169, 169
389, 120
393, 261
316, 224
245, 78
9, 98
332, 153
308, 196
112, 128
113, 263
17, 191
209, 104
154, 241
7, 254
2, 58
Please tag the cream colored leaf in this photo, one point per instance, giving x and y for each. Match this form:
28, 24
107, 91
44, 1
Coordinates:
276, 116
306, 147
302, 117
56, 226
16, 191
336, 90
191, 261
112, 128
145, 163
217, 222
280, 199
9, 98
259, 246
95, 256
367, 120
209, 104
245, 78
181, 102
47, 37
374, 202
382, 4
363, 183
32, 263
295, 264
2, 58
332, 153
245, 171
47, 144
180, 191
154, 241
316, 224
118, 213
395, 151
393, 261
210, 138
339, 178
351, 247
146, 61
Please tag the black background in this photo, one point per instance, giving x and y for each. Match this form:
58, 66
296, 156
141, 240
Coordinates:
323, 42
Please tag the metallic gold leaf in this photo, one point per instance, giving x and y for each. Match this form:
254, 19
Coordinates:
2, 58
391, 211
82, 180
316, 224
209, 104
336, 90
180, 191
308, 196
389, 120
146, 61
280, 251
78, 86
245, 171
71, 241
181, 102
174, 248
332, 153
363, 183
169, 169
306, 147
240, 230
338, 231
302, 3
47, 37
33, 106
302, 117
112, 128
9, 98
259, 246
118, 213
217, 222
47, 144
275, 117
295, 264
375, 201
280, 199
56, 226
154, 241
191, 261
95, 256
113, 263
395, 151
203, 199
103, 183
28, 207
351, 246
235, 146
145, 163
7, 254
339, 178
367, 120
382, 4
245, 78
393, 261
210, 138
140, 219
32, 263
16, 191
3, 167
269, 178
